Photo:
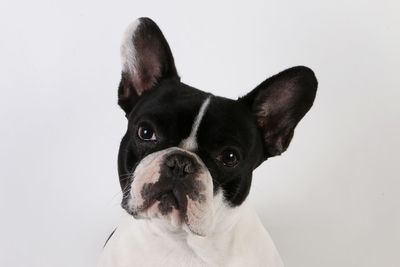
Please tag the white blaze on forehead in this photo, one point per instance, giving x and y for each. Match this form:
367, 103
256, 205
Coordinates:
128, 51
190, 143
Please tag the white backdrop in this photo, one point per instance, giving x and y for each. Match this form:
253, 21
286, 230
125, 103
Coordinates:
333, 199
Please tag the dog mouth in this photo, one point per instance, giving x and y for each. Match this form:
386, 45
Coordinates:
165, 201
165, 188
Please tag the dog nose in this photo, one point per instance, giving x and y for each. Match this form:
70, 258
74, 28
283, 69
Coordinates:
181, 164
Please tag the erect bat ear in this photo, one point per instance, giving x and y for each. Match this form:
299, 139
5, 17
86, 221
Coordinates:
146, 60
279, 103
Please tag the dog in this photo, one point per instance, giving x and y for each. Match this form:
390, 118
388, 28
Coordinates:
186, 160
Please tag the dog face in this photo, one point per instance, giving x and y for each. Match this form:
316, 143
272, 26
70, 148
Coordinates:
188, 155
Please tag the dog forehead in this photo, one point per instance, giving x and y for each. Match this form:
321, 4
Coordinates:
170, 99
228, 120
193, 118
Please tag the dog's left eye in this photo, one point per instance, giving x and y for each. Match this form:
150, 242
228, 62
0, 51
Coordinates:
146, 133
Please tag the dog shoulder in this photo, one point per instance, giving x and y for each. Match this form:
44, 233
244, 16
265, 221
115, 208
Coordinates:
253, 244
248, 243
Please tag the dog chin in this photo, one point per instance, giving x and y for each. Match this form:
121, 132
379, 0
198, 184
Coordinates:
156, 211
183, 202
172, 220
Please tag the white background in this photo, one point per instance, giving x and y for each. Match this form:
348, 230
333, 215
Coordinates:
333, 199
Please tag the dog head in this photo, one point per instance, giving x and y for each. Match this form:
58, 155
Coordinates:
187, 155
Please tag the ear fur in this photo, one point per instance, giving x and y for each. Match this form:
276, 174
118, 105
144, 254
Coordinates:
279, 103
146, 60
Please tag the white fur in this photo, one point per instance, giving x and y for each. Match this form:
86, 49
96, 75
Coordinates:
232, 237
190, 143
128, 51
148, 171
199, 213
237, 239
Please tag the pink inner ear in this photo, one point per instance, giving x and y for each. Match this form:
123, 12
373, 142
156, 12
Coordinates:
279, 103
147, 72
280, 98
146, 56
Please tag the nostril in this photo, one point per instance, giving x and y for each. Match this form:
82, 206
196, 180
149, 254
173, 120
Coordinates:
171, 162
188, 168
180, 165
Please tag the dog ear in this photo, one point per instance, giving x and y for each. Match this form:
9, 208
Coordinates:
146, 60
279, 103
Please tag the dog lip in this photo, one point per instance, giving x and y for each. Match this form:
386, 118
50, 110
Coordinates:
155, 196
171, 198
179, 196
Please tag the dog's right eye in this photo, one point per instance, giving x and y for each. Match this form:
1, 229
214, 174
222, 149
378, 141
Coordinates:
146, 133
229, 157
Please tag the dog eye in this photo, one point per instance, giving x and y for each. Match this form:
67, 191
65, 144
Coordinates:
146, 133
229, 157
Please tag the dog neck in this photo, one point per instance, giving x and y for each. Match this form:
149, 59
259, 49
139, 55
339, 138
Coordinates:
225, 222
212, 249
237, 235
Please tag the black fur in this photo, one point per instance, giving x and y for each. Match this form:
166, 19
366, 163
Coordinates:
155, 61
177, 180
257, 126
286, 96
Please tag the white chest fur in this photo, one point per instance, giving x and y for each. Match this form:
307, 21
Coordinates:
240, 242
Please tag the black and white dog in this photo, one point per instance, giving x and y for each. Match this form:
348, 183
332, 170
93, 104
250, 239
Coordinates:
186, 161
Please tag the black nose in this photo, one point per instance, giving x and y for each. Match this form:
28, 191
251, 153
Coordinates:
180, 164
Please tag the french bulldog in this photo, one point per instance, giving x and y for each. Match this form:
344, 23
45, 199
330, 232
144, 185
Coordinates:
186, 160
